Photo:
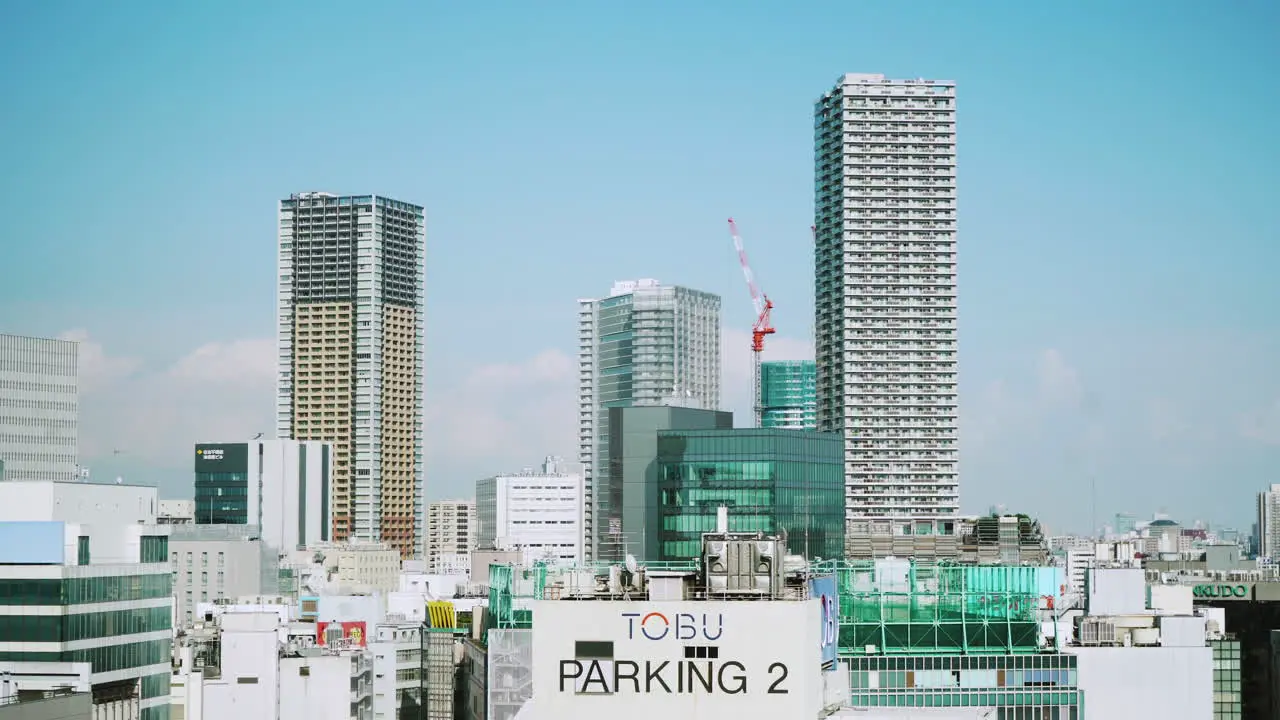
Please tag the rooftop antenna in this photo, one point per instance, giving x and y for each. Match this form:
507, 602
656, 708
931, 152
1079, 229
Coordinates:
628, 578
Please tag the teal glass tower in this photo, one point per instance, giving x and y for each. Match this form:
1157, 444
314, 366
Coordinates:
788, 394
770, 480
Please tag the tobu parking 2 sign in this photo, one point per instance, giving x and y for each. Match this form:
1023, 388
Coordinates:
716, 659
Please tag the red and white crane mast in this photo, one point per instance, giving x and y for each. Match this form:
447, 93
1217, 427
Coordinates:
764, 323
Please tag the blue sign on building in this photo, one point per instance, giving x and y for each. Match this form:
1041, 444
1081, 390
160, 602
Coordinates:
825, 590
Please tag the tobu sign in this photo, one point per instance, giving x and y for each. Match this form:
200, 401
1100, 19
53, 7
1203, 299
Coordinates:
702, 659
657, 626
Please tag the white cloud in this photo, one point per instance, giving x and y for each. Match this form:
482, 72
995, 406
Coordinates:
499, 418
548, 366
1010, 407
1059, 381
95, 366
1165, 420
1263, 425
237, 362
141, 421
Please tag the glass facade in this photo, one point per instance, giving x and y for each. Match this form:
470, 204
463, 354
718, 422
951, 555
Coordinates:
79, 591
628, 497
222, 498
83, 626
104, 659
1226, 679
788, 394
770, 480
1033, 687
116, 637
897, 607
154, 549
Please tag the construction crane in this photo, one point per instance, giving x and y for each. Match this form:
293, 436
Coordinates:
763, 325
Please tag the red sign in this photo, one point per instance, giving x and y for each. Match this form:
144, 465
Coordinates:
335, 633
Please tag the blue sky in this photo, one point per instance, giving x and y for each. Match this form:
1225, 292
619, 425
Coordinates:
1117, 180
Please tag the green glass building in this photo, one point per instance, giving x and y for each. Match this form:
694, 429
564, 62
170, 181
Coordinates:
770, 480
789, 395
629, 500
222, 485
95, 614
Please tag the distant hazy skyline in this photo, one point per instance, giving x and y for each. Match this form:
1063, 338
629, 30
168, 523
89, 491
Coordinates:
1117, 170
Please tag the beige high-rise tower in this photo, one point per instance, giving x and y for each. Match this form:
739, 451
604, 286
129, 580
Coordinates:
350, 330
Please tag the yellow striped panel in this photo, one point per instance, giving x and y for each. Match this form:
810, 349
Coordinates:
442, 614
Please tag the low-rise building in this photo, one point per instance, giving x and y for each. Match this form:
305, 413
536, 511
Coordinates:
451, 530
538, 512
253, 674
218, 562
85, 595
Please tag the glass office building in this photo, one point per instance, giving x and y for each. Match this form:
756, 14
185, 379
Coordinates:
788, 394
86, 595
629, 502
770, 480
222, 485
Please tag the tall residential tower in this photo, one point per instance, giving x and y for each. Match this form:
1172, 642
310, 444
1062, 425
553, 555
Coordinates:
885, 305
351, 343
645, 344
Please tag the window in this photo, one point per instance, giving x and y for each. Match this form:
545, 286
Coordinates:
155, 549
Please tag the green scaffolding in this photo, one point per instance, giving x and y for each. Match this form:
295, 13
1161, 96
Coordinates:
506, 585
886, 607
912, 608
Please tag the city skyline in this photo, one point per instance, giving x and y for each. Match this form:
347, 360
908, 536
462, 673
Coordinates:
1101, 339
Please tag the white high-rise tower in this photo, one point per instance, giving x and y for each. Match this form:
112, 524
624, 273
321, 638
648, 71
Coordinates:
885, 306
1269, 523
645, 344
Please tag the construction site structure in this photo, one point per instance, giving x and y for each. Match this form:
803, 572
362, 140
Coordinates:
764, 322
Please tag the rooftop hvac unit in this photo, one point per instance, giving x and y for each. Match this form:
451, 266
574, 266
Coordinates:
1097, 631
333, 635
743, 566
